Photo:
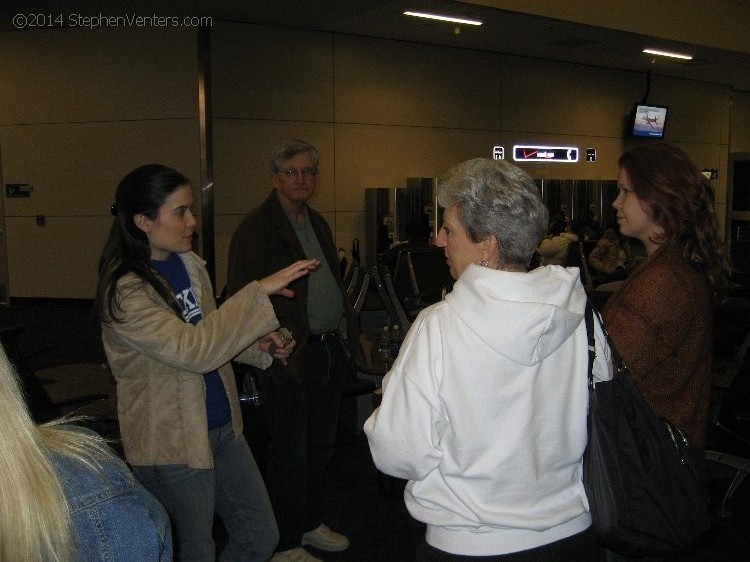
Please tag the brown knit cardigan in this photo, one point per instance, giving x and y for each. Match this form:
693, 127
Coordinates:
660, 322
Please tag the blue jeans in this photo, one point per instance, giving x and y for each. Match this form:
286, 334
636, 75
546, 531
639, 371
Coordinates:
233, 488
302, 415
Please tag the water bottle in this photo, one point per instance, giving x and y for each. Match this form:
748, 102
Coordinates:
252, 396
396, 340
383, 359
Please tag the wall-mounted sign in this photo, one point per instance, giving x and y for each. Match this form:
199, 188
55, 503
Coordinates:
18, 190
498, 152
590, 155
545, 153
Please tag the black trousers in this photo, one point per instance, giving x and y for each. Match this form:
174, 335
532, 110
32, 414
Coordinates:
302, 416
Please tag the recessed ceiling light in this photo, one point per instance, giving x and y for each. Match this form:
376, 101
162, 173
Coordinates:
443, 18
667, 54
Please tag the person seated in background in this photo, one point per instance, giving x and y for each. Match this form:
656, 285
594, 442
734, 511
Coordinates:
577, 229
609, 257
65, 495
487, 419
554, 248
592, 229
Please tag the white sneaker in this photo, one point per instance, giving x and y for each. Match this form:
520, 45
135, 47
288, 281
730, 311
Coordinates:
298, 554
325, 539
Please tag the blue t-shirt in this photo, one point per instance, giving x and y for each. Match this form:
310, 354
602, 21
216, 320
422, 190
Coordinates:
173, 270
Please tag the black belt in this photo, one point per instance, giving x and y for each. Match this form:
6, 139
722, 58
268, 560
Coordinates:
324, 337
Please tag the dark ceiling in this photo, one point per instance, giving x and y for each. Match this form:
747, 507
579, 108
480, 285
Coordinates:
502, 31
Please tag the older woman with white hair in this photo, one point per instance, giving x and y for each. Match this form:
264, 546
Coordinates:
484, 411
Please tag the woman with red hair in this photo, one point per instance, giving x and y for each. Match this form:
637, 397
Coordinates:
660, 319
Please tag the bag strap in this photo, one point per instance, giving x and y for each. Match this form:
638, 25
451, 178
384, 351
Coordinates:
589, 318
617, 361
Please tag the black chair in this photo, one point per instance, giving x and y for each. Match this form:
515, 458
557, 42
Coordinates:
360, 381
421, 277
401, 315
41, 406
352, 279
388, 303
728, 435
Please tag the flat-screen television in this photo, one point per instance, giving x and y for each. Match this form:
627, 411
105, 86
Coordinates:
648, 121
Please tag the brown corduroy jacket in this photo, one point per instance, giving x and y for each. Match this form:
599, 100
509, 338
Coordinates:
660, 322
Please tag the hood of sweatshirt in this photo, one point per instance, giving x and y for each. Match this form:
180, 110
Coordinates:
522, 316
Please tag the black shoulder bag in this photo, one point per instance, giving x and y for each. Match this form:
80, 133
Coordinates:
645, 482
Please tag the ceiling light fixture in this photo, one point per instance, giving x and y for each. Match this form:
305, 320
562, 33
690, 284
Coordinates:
667, 54
443, 18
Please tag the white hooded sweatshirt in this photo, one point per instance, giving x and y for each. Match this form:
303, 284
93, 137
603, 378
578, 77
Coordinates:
484, 412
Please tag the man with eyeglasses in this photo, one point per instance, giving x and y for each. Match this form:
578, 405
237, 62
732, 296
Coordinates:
301, 399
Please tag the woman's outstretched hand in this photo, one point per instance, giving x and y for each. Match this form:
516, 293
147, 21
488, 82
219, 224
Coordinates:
275, 284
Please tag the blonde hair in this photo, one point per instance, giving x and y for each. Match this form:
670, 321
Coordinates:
35, 521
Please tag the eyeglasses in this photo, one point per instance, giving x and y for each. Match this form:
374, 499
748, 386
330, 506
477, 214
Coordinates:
292, 173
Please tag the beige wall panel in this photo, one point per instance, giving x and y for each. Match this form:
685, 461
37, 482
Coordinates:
697, 110
547, 97
350, 225
271, 73
242, 155
718, 23
726, 112
58, 260
225, 226
597, 102
399, 83
74, 168
382, 156
66, 75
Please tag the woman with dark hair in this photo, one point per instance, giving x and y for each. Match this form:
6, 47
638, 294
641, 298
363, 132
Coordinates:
484, 410
660, 319
169, 349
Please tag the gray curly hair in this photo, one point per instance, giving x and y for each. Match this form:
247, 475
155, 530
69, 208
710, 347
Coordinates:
494, 197
289, 150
